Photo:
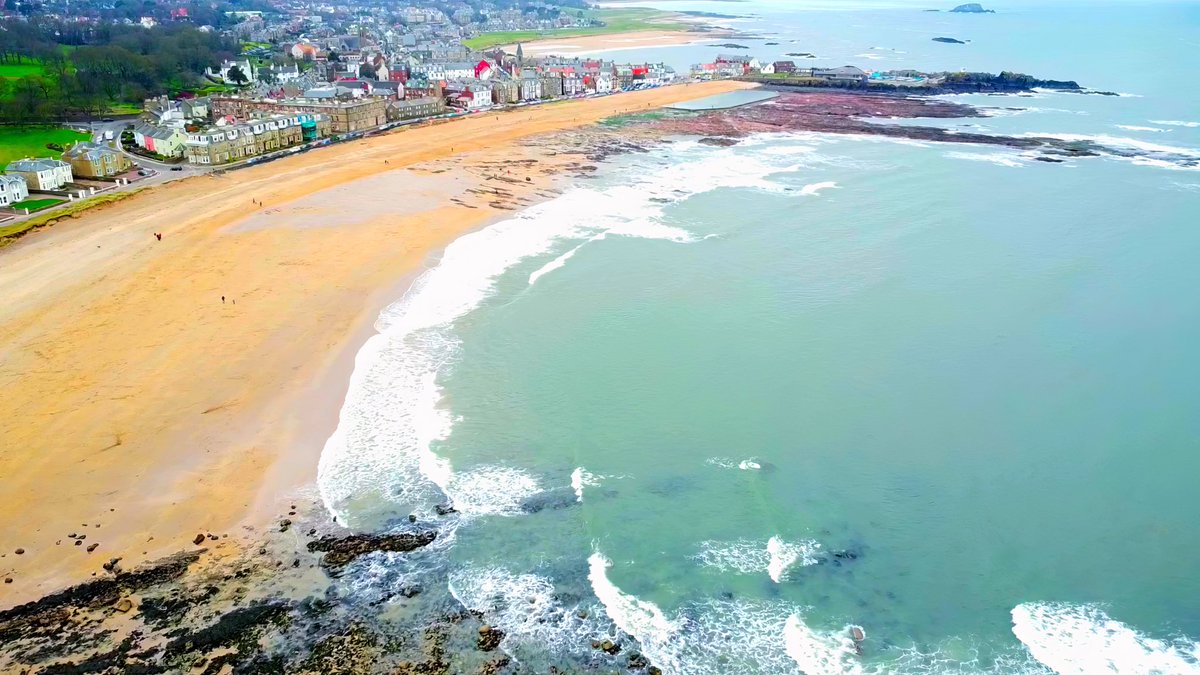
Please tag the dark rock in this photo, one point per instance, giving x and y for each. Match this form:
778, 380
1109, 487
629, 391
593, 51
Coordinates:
79, 542
123, 605
198, 539
111, 565
341, 550
489, 638
718, 141
19, 551
609, 647
949, 40
730, 45
562, 498
284, 525
637, 661
92, 547
1049, 160
446, 508
412, 518
8, 580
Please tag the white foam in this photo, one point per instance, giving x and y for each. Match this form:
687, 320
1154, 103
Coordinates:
581, 478
1134, 127
492, 490
815, 188
1177, 123
1082, 639
525, 608
820, 653
727, 463
747, 556
639, 618
1119, 142
994, 158
558, 262
783, 555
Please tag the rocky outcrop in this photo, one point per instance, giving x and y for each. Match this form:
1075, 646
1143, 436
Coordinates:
949, 40
339, 551
972, 8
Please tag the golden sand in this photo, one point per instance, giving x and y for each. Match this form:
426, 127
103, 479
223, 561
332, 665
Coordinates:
591, 44
140, 409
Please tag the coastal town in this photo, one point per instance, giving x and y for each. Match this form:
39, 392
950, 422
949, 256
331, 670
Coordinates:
307, 74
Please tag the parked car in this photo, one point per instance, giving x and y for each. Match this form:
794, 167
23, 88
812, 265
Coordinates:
177, 168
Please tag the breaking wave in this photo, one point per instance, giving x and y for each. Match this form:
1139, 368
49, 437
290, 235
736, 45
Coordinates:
1177, 123
1002, 159
815, 188
1084, 640
747, 556
382, 449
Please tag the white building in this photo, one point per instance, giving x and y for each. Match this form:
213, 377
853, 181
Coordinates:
605, 82
42, 174
12, 190
244, 65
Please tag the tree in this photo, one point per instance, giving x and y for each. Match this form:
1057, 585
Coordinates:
236, 76
366, 71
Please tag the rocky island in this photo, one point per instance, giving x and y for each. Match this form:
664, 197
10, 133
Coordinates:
949, 40
972, 8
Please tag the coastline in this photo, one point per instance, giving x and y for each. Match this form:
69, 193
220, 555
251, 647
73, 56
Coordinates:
149, 410
589, 44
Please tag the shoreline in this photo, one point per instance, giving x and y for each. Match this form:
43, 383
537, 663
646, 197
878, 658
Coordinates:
607, 42
148, 409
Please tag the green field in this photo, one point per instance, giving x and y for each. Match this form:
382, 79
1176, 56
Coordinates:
20, 142
12, 232
616, 21
36, 204
17, 70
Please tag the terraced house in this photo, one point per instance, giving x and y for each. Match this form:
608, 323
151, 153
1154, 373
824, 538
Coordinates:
236, 142
344, 115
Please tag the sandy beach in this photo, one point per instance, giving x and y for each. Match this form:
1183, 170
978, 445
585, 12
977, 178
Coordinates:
592, 44
142, 407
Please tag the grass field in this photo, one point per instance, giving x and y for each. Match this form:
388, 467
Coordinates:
16, 70
616, 21
36, 204
10, 233
20, 142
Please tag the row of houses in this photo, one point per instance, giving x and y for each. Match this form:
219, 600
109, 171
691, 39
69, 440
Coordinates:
233, 142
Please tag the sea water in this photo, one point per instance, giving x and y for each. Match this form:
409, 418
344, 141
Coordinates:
735, 401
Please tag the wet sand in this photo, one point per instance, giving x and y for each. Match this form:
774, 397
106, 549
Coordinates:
140, 408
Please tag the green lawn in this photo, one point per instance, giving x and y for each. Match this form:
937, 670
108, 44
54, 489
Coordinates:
17, 70
20, 142
616, 21
11, 232
36, 204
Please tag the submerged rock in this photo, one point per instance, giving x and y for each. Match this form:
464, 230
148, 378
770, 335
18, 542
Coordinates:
718, 141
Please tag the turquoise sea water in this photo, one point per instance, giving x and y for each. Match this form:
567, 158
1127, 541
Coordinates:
732, 401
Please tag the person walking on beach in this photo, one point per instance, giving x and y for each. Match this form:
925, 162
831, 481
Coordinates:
222, 299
